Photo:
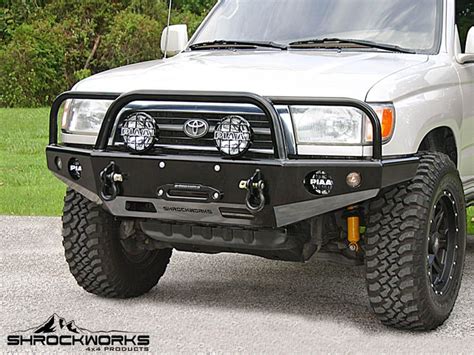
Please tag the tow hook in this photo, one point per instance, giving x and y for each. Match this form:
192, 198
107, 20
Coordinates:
110, 178
255, 186
353, 228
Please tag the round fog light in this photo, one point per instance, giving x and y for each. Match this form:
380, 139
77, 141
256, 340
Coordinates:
353, 180
75, 169
139, 132
233, 136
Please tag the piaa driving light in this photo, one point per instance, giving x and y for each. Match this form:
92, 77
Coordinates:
139, 131
75, 168
84, 116
233, 135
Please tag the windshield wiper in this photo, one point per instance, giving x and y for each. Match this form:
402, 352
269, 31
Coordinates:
336, 42
225, 44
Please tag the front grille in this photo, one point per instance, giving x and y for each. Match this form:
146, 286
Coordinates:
173, 140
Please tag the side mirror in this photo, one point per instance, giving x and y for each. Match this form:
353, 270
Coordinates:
468, 56
174, 39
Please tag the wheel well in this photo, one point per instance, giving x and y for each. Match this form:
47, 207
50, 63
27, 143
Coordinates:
441, 140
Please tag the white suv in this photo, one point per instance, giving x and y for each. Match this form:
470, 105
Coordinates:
283, 129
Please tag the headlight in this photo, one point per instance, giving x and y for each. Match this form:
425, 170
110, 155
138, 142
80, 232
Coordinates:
84, 116
339, 125
327, 125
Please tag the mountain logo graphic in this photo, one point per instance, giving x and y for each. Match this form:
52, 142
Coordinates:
57, 331
56, 324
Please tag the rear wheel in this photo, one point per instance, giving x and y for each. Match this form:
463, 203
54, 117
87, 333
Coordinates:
99, 259
415, 247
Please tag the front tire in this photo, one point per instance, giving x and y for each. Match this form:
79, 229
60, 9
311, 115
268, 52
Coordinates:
415, 247
99, 260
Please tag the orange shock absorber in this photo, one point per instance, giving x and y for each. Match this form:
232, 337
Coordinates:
353, 229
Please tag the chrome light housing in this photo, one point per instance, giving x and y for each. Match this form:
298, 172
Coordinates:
84, 116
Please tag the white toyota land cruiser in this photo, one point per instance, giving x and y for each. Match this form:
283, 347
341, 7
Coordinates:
283, 129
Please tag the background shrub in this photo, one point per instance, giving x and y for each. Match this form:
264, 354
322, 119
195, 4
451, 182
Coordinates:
15, 12
46, 46
132, 38
31, 65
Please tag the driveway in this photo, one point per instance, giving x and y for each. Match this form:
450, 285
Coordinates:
216, 303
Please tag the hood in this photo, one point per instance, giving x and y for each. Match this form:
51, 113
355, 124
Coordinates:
267, 73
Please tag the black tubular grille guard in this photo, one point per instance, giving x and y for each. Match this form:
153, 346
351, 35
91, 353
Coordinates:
266, 104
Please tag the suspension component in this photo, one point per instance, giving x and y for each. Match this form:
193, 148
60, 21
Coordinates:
110, 178
255, 186
353, 228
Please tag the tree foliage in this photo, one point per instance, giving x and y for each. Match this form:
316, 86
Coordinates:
46, 46
32, 65
132, 38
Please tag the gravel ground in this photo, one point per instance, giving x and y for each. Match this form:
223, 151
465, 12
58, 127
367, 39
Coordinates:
224, 303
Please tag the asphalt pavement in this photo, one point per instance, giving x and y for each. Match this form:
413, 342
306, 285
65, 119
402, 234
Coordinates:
215, 303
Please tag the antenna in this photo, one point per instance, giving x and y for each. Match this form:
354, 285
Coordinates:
168, 29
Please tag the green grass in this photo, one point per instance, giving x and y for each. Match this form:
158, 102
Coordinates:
470, 220
26, 185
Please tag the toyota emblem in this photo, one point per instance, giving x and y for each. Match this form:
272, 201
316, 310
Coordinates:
196, 128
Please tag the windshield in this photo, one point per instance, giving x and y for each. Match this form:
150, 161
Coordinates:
410, 24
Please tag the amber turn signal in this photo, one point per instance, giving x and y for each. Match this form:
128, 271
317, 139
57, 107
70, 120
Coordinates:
386, 115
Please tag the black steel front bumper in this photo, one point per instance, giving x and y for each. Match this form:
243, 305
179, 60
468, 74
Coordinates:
190, 182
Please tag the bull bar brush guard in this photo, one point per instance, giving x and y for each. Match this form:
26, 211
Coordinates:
252, 192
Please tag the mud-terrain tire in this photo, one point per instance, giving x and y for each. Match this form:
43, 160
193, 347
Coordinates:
96, 256
411, 229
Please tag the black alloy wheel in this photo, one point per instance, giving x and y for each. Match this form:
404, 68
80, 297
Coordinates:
443, 245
